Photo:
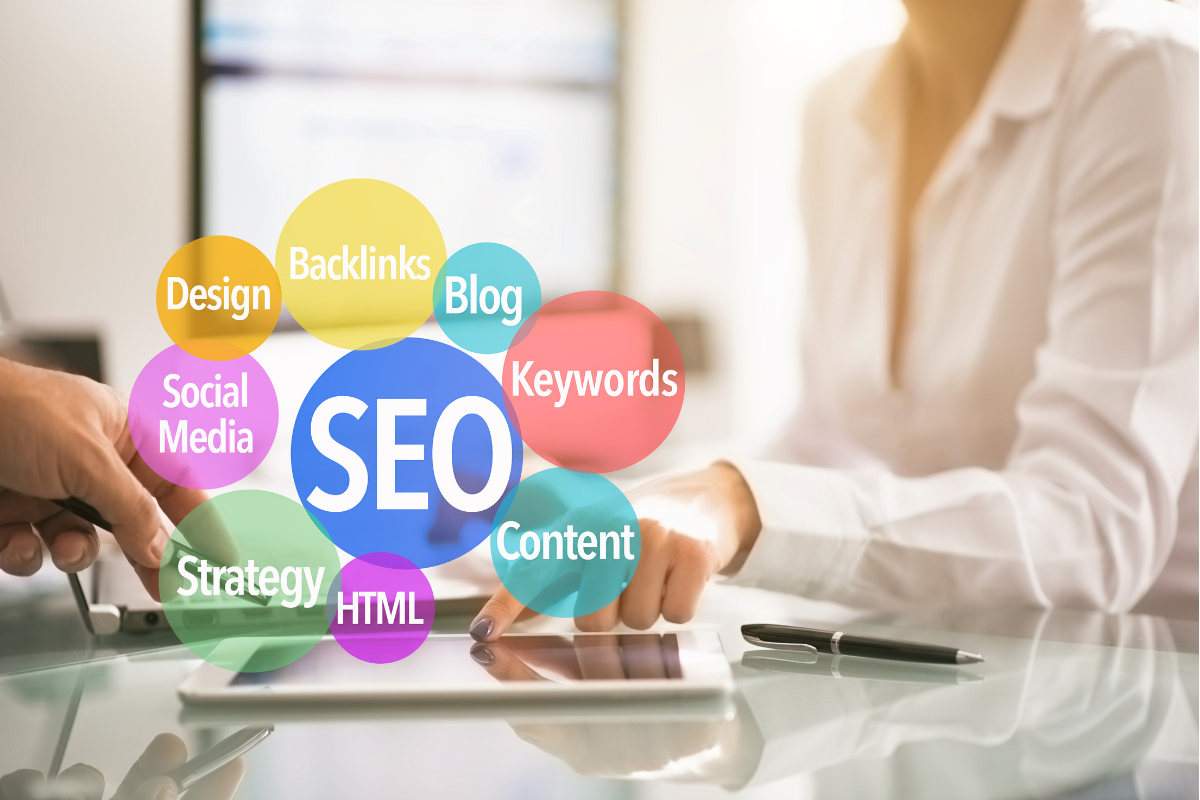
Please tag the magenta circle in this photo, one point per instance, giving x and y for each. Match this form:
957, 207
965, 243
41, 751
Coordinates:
179, 410
390, 634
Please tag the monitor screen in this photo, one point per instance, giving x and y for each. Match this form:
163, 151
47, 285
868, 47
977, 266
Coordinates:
499, 115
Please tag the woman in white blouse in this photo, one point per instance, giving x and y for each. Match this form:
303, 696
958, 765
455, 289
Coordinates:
1001, 380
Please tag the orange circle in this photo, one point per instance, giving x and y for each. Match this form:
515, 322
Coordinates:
218, 297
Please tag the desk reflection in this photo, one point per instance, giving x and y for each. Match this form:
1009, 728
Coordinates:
866, 669
1071, 705
146, 779
1054, 714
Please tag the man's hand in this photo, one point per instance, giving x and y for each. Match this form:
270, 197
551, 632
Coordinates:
60, 436
146, 779
693, 525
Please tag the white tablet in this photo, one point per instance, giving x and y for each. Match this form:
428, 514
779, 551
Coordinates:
455, 668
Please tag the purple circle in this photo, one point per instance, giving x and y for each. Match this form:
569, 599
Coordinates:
387, 631
199, 423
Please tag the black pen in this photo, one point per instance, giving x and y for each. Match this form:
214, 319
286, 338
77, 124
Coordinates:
838, 643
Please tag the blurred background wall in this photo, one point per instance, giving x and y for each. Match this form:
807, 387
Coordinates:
694, 212
93, 168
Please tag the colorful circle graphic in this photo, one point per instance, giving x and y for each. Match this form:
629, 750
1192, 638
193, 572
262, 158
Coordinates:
357, 261
408, 449
483, 295
596, 380
244, 581
381, 608
218, 297
566, 544
202, 424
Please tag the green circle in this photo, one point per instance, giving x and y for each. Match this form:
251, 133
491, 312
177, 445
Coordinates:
245, 533
571, 515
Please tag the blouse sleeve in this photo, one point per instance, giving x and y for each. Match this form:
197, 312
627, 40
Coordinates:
1083, 513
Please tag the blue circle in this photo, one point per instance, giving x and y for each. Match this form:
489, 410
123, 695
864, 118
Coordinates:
584, 547
482, 296
398, 379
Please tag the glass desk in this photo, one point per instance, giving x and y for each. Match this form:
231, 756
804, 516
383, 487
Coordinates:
1067, 705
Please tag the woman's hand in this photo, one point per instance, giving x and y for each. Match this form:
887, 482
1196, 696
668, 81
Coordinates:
694, 525
60, 436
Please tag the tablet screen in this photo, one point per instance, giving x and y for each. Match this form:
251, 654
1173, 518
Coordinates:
459, 660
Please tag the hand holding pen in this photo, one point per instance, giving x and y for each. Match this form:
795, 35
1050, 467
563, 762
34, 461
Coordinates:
65, 436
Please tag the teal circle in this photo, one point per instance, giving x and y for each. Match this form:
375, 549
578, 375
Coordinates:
553, 505
247, 631
503, 281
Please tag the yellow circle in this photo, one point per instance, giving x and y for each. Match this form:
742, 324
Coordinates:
218, 297
357, 261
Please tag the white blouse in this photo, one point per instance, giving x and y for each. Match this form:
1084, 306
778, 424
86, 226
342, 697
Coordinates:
1041, 448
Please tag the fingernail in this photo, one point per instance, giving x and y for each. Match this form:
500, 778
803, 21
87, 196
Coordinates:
26, 551
158, 545
483, 655
481, 629
74, 558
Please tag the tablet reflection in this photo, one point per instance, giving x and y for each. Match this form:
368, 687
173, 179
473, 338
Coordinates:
606, 657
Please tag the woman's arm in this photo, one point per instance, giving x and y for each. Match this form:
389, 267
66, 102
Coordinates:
1084, 511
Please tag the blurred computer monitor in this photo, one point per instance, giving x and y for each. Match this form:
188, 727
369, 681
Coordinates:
501, 116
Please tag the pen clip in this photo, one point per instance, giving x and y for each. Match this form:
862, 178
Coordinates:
791, 646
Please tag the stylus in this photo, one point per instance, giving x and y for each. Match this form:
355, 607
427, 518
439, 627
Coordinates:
786, 637
88, 513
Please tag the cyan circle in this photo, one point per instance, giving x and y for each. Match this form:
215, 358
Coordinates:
553, 505
411, 369
482, 276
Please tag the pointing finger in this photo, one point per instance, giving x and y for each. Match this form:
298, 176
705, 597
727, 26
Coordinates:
497, 615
